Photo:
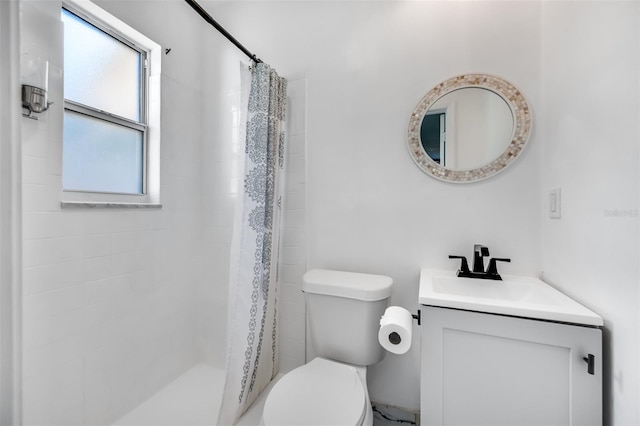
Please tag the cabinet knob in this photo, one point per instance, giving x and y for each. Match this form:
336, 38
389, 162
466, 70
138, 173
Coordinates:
591, 363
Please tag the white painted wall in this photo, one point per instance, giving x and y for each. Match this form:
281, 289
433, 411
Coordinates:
589, 135
370, 209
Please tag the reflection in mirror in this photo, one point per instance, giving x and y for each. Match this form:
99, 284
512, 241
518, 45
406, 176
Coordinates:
469, 128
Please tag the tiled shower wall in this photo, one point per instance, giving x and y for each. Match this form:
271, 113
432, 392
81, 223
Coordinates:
109, 294
293, 245
220, 199
118, 302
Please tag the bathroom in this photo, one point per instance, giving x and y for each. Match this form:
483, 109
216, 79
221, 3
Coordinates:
117, 303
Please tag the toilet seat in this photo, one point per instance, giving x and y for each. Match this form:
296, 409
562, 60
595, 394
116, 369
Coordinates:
320, 393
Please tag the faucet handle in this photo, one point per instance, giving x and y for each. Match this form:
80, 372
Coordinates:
493, 269
464, 265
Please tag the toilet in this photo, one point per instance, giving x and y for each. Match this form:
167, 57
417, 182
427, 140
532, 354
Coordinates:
343, 314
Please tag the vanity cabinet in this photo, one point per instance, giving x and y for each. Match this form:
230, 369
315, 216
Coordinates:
488, 369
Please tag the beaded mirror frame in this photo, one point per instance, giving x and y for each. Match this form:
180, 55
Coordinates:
521, 129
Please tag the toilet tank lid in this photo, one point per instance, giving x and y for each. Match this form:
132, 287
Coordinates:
352, 285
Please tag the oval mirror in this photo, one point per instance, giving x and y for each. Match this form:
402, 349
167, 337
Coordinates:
469, 128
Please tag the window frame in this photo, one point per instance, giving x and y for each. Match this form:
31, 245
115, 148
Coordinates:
149, 124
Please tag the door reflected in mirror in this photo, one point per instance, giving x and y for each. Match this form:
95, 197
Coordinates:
467, 128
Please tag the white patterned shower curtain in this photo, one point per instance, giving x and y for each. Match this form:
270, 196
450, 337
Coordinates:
252, 359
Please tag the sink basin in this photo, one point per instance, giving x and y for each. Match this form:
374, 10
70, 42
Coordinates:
525, 297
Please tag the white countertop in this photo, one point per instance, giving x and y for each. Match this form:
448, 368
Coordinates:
525, 297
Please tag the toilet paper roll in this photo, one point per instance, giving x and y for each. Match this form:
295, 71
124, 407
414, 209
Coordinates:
395, 330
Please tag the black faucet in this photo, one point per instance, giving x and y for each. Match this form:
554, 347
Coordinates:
479, 252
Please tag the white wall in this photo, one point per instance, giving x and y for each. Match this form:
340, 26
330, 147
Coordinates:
118, 302
10, 215
111, 296
370, 209
293, 234
220, 86
590, 115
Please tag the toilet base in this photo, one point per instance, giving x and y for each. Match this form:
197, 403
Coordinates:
368, 417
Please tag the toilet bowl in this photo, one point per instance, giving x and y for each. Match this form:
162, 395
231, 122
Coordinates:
343, 313
320, 393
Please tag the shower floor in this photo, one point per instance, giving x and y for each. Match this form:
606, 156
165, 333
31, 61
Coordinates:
192, 399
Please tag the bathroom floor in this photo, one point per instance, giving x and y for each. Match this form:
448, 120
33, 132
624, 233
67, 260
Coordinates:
192, 399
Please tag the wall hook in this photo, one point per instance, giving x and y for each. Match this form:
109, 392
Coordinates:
166, 51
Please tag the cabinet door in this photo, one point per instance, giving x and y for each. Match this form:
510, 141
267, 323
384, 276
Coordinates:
485, 369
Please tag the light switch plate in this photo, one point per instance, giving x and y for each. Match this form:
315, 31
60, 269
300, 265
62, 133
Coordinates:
554, 203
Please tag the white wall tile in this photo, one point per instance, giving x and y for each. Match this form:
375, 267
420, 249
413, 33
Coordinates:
98, 245
91, 307
43, 305
40, 279
52, 224
100, 291
54, 157
293, 260
123, 242
98, 268
51, 250
35, 170
292, 295
40, 197
67, 393
36, 401
98, 395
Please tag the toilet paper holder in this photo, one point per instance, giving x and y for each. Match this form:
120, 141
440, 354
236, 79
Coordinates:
417, 316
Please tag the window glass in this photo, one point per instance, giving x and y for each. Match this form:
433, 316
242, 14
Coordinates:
99, 70
101, 156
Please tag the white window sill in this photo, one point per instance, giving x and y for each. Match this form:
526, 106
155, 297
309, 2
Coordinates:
109, 205
80, 199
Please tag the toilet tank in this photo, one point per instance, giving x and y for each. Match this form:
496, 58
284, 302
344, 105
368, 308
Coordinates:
343, 313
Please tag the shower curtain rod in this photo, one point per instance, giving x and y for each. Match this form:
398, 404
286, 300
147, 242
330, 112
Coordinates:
194, 4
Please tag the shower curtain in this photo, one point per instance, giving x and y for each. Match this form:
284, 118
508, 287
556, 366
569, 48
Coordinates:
252, 359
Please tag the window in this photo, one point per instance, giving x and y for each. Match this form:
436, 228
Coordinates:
111, 132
